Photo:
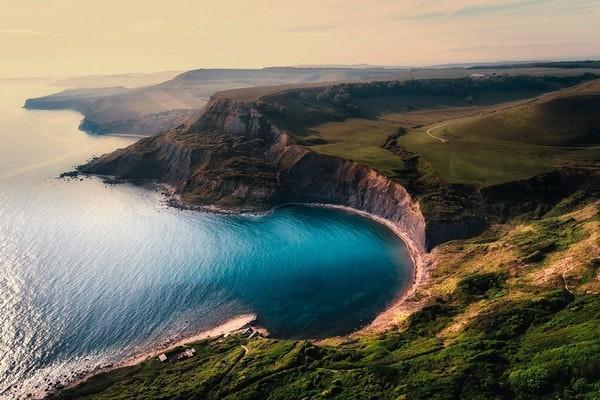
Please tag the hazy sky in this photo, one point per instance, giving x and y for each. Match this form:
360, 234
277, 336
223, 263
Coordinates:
59, 37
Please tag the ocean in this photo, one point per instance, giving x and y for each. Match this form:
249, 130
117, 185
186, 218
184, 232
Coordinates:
91, 273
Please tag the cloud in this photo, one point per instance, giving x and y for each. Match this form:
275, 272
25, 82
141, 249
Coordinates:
23, 32
310, 28
498, 46
477, 8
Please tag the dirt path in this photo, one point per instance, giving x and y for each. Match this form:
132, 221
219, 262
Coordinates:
428, 132
566, 285
484, 112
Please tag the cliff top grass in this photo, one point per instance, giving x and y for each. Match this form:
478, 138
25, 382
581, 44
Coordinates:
481, 136
496, 323
250, 94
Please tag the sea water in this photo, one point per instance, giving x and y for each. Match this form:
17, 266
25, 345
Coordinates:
91, 273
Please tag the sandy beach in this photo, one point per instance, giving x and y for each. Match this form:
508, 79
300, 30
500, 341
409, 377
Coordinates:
230, 325
401, 306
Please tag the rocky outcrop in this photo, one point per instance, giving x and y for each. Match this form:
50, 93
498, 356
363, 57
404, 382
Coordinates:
308, 177
233, 157
144, 125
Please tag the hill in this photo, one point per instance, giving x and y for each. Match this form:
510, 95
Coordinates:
506, 298
567, 118
150, 109
384, 125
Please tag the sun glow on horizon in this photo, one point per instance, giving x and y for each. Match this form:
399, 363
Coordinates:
87, 37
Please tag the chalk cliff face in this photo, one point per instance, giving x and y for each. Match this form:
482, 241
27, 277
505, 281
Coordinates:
233, 157
312, 178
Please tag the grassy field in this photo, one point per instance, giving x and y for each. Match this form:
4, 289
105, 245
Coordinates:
505, 317
491, 163
483, 145
359, 140
515, 142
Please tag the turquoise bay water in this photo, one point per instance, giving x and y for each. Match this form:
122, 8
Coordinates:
91, 273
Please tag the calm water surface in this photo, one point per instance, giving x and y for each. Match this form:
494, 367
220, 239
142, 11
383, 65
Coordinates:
91, 273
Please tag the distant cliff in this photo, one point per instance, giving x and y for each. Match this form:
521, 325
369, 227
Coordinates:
154, 108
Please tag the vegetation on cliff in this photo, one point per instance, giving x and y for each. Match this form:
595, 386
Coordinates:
496, 323
506, 131
507, 179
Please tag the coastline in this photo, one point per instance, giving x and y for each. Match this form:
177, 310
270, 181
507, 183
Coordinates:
384, 320
228, 326
399, 308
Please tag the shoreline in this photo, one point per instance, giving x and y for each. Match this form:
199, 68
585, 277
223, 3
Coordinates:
227, 326
383, 321
386, 318
398, 308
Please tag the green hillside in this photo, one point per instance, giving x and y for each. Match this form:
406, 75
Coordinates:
477, 132
514, 141
498, 324
570, 118
506, 177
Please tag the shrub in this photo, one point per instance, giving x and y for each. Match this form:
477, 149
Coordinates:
532, 380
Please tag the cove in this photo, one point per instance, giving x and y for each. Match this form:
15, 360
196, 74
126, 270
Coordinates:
93, 273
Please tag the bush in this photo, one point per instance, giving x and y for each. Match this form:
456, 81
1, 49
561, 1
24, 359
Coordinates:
479, 284
533, 380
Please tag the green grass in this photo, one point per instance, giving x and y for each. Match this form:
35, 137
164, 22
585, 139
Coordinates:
358, 140
515, 143
546, 346
467, 157
567, 120
490, 141
457, 161
525, 340
485, 164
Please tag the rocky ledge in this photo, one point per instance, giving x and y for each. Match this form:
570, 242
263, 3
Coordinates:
233, 157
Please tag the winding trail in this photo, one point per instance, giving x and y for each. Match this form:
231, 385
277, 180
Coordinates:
566, 285
484, 112
428, 132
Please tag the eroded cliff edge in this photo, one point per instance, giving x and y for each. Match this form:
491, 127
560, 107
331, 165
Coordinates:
233, 157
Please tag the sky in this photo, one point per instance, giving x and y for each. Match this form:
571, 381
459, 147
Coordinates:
80, 37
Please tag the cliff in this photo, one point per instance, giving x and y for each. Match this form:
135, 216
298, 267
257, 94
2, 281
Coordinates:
233, 157
150, 109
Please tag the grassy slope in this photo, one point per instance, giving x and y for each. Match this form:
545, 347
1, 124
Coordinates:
515, 142
499, 324
484, 145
